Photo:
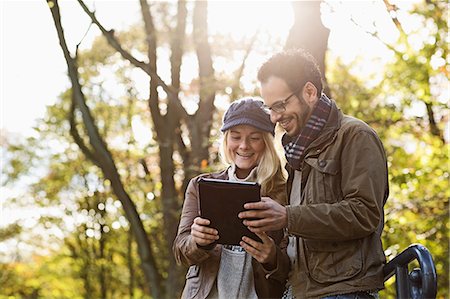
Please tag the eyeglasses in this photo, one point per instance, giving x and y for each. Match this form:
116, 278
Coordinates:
280, 106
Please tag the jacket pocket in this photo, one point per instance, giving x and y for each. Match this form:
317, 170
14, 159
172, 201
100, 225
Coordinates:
192, 282
323, 181
333, 261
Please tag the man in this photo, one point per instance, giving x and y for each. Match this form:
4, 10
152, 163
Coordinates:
337, 186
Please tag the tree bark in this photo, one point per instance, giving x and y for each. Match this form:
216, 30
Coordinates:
107, 165
169, 126
309, 33
130, 264
102, 275
200, 123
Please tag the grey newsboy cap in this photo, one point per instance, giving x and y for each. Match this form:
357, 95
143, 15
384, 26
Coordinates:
248, 111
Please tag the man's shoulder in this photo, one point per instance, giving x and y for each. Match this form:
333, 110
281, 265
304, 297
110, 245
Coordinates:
350, 124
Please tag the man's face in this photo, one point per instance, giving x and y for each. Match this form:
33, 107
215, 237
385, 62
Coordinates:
297, 109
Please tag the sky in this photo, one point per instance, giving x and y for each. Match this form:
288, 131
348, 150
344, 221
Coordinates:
33, 69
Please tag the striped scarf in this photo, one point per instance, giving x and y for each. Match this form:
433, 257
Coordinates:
294, 147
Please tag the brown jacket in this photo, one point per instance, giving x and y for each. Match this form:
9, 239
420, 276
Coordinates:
204, 264
340, 217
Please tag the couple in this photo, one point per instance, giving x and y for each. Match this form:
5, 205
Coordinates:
321, 230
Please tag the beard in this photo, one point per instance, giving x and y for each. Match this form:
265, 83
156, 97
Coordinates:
304, 114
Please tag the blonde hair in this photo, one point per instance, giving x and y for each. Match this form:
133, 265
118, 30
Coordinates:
269, 173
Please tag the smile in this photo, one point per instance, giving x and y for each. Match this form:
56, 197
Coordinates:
245, 155
285, 122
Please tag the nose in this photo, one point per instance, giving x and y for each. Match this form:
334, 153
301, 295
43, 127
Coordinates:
274, 116
244, 144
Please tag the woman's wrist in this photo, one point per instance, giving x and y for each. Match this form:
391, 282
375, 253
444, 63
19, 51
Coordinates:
206, 247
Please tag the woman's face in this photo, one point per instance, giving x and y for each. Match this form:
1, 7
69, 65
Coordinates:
246, 146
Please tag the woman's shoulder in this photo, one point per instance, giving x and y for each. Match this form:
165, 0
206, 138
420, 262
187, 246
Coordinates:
221, 175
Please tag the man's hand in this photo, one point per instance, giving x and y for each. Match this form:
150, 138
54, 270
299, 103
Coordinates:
268, 215
264, 252
203, 234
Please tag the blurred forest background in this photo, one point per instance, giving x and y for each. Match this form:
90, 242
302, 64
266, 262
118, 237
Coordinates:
105, 171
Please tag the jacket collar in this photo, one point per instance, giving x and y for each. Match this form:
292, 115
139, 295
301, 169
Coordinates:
328, 132
326, 137
222, 175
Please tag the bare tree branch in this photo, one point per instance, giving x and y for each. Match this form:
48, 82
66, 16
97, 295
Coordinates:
434, 129
95, 139
392, 10
87, 31
78, 140
201, 122
203, 49
153, 101
165, 127
376, 36
172, 96
144, 165
177, 47
107, 164
112, 40
235, 89
182, 148
177, 44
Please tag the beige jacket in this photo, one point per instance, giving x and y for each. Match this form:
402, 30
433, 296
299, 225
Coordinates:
204, 263
340, 217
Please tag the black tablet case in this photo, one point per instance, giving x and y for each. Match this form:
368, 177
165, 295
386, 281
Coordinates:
221, 201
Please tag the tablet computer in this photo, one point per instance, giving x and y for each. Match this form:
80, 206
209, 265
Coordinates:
221, 201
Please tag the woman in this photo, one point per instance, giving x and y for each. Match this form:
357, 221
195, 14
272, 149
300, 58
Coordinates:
254, 269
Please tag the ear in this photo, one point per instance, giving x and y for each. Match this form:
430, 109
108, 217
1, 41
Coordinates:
310, 93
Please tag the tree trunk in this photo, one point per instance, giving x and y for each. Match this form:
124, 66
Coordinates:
168, 128
309, 33
130, 264
103, 159
200, 124
102, 276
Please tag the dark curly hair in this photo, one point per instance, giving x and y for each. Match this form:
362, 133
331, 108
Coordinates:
295, 67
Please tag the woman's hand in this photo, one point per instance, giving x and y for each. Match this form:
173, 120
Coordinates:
265, 252
203, 234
